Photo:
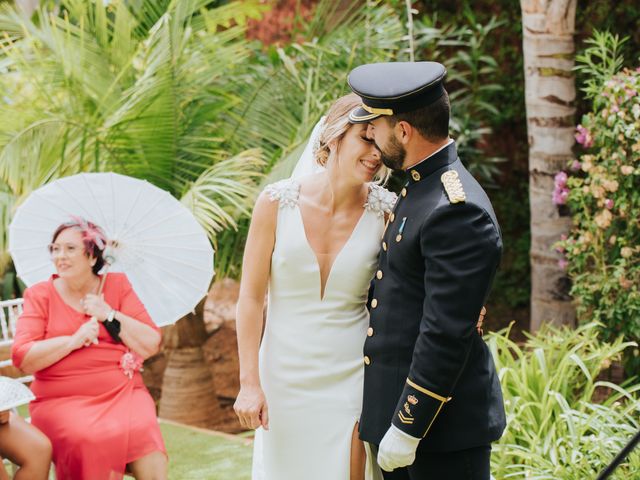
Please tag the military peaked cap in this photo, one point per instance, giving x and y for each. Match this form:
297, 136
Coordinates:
395, 87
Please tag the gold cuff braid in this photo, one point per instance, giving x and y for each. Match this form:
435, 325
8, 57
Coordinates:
428, 392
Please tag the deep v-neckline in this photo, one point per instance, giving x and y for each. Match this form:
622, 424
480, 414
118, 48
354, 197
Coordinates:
323, 287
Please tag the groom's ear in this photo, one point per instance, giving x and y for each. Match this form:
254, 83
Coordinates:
404, 131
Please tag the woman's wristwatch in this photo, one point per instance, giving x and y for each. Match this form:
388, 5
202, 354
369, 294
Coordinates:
113, 326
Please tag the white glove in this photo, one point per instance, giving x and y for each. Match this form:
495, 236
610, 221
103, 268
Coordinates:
397, 449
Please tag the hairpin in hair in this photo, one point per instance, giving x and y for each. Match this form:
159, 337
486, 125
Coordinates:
316, 142
90, 231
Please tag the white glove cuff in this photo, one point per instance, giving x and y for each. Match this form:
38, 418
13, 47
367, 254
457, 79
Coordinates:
403, 438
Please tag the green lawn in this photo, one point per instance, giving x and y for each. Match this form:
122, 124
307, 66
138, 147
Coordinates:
194, 454
23, 410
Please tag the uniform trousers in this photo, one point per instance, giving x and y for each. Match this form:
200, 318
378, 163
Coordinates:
471, 464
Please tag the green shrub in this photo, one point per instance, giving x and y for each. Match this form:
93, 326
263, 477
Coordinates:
603, 195
555, 429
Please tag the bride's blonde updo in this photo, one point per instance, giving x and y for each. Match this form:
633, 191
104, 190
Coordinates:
336, 125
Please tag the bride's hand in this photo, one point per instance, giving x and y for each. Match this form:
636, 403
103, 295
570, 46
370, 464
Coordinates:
251, 408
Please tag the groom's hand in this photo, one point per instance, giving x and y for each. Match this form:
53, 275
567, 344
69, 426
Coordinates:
251, 408
397, 449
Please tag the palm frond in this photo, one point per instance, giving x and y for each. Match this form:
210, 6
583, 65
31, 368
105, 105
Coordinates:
224, 192
138, 87
7, 202
285, 93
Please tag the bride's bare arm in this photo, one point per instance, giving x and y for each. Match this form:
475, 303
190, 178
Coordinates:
250, 405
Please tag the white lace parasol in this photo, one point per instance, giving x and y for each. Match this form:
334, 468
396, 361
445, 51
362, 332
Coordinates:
153, 238
13, 394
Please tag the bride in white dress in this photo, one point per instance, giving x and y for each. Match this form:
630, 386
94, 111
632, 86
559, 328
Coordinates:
313, 244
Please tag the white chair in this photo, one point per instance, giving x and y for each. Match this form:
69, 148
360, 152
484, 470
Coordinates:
10, 310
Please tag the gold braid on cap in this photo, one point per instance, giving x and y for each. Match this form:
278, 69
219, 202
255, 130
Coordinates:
377, 111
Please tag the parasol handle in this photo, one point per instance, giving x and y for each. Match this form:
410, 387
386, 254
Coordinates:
102, 279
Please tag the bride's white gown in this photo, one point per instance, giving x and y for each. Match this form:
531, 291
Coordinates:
311, 361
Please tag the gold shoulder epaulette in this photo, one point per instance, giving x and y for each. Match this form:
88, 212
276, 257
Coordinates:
453, 186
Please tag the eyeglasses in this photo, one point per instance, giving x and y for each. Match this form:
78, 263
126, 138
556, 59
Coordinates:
70, 250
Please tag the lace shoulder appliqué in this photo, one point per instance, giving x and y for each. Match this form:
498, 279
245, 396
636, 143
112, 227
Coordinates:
286, 192
380, 200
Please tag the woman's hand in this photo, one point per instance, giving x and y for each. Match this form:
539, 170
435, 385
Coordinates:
95, 306
85, 335
251, 408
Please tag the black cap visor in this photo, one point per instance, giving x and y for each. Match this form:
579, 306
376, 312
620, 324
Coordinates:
360, 115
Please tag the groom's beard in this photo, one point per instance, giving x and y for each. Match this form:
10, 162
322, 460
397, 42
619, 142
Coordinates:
393, 157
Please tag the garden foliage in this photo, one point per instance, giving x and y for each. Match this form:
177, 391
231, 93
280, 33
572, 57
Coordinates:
555, 427
602, 191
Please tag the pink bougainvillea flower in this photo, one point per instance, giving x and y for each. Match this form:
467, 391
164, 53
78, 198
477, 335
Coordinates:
576, 165
608, 204
561, 179
583, 136
560, 192
560, 196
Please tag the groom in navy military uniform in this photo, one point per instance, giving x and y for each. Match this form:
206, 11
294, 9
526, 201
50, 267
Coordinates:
432, 399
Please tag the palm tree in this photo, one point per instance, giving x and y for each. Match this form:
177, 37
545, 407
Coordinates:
139, 88
550, 93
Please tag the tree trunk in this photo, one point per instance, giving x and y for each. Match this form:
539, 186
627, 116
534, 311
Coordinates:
188, 392
549, 50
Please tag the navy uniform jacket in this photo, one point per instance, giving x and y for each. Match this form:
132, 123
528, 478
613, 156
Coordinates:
427, 369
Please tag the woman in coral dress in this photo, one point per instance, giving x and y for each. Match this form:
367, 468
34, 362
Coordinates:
86, 351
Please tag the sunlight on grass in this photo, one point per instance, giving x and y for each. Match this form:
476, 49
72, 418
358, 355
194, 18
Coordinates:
23, 410
197, 455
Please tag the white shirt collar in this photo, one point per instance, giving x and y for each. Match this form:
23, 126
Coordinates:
431, 155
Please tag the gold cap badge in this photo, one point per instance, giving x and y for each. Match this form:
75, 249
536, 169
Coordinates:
453, 186
412, 400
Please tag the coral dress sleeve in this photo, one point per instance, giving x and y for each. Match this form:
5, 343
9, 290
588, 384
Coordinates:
31, 326
132, 306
